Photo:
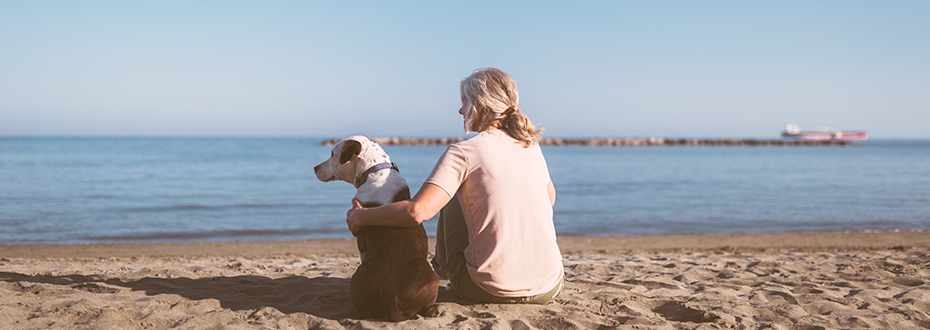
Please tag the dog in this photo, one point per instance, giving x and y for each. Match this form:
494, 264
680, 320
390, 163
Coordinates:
394, 280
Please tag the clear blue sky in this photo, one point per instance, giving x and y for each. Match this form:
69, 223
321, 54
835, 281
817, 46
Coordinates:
588, 68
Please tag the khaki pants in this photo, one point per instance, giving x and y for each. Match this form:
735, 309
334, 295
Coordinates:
449, 262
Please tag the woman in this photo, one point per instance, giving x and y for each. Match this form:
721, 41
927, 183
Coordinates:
495, 239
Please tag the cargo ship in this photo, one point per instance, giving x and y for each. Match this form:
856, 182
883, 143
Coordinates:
792, 131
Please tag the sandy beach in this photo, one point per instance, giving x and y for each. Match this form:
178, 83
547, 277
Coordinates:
754, 281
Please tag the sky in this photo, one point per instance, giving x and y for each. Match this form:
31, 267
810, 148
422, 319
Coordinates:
675, 69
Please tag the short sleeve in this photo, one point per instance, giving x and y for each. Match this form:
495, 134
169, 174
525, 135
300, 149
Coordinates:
450, 170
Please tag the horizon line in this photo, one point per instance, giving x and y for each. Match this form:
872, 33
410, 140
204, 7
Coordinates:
281, 136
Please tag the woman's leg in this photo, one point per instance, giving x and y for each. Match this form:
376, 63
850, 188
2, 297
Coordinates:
439, 259
451, 240
452, 231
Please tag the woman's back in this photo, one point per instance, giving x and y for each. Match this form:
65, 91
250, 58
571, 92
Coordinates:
502, 189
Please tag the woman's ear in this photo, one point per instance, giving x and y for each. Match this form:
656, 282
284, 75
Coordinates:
350, 148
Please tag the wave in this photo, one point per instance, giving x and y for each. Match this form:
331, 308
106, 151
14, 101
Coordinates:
197, 207
191, 236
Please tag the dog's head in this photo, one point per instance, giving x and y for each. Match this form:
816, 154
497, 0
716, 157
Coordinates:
349, 159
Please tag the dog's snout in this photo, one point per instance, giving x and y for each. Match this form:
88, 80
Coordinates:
316, 168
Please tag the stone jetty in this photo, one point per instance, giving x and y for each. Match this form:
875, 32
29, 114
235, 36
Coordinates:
618, 142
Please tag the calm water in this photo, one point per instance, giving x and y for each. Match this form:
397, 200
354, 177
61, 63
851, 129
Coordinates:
90, 190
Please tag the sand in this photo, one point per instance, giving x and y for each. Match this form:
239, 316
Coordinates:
754, 281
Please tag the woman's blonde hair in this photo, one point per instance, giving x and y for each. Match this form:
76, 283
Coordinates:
490, 97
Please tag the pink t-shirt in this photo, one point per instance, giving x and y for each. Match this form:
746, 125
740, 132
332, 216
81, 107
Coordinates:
512, 250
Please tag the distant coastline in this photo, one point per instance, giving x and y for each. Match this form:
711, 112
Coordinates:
617, 142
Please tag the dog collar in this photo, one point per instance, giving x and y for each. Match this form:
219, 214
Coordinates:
359, 181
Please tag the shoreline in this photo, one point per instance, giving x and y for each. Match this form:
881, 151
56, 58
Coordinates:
754, 242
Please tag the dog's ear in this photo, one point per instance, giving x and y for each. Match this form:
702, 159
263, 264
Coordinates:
349, 149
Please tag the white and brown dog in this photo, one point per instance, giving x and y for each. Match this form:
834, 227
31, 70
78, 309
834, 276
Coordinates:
394, 280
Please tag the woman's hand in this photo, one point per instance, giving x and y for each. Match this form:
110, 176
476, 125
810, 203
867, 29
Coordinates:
424, 205
351, 219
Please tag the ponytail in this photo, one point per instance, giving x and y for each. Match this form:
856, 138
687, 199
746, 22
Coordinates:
519, 127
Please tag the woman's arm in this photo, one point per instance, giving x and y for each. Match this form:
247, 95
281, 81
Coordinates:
424, 205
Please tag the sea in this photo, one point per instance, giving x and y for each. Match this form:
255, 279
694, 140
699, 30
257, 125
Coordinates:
164, 189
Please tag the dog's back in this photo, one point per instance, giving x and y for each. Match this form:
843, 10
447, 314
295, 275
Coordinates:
395, 279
